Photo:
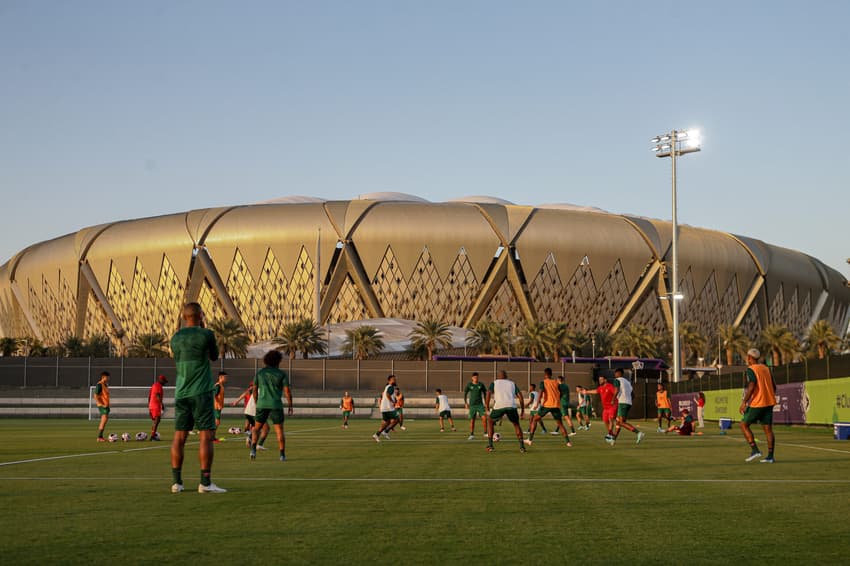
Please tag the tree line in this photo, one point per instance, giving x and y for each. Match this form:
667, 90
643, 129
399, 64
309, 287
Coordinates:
545, 341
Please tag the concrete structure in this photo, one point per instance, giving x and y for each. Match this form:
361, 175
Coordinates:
396, 256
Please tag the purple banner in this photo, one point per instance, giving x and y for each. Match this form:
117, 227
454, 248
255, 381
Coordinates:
791, 404
684, 401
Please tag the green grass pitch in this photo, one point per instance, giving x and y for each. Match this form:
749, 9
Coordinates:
423, 497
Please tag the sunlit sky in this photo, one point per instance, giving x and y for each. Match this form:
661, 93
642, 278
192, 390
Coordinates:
116, 110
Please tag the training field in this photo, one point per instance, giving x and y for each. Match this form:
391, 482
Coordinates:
423, 497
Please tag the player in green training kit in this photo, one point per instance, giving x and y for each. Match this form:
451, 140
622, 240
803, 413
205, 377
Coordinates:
269, 384
473, 398
565, 404
193, 348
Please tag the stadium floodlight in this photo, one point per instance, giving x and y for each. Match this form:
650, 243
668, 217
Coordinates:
680, 143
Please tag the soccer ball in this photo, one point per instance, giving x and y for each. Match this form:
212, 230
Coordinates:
125, 437
112, 437
141, 436
234, 430
497, 437
156, 436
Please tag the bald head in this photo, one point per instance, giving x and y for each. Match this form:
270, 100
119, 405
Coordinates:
193, 314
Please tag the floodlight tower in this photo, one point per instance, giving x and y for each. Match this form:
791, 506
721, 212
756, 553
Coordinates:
673, 145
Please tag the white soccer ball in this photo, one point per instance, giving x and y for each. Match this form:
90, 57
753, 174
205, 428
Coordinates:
125, 437
497, 437
141, 436
234, 430
156, 436
112, 437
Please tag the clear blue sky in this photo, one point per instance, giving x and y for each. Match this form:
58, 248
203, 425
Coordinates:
115, 110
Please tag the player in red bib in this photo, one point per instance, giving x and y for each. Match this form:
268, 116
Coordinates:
608, 395
156, 406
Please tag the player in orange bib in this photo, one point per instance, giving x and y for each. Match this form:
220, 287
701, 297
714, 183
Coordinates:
664, 406
101, 398
757, 406
347, 406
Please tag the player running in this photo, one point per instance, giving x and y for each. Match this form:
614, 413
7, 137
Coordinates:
565, 403
388, 412
550, 401
584, 408
269, 384
608, 396
534, 406
441, 405
399, 409
624, 404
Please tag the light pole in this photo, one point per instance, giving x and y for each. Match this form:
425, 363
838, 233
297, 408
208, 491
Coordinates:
673, 145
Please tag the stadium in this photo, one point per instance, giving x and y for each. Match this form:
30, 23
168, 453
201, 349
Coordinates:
391, 255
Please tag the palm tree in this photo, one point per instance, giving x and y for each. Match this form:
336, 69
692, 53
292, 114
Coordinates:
691, 341
71, 347
564, 341
734, 340
303, 336
635, 340
536, 339
97, 346
432, 335
231, 338
489, 337
8, 346
311, 339
288, 340
781, 343
822, 338
153, 345
362, 342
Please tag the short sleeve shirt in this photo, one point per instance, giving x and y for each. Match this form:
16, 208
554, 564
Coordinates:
270, 383
193, 348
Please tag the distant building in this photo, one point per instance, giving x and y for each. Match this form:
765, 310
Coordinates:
397, 256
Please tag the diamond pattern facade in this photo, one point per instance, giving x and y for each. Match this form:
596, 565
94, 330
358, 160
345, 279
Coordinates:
409, 267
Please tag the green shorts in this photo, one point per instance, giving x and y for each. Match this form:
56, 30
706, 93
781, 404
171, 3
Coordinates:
274, 415
217, 413
664, 412
446, 414
584, 410
477, 411
346, 414
103, 410
623, 410
399, 411
762, 415
509, 412
566, 411
194, 412
389, 415
554, 411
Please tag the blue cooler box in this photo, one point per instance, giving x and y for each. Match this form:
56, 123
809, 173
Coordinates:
842, 431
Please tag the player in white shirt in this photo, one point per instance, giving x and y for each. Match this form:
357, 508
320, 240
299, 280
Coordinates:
534, 406
624, 404
503, 393
389, 416
444, 410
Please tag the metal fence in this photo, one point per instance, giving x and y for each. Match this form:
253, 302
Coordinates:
314, 374
831, 367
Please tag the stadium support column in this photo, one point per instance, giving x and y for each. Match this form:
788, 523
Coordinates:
89, 275
217, 284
